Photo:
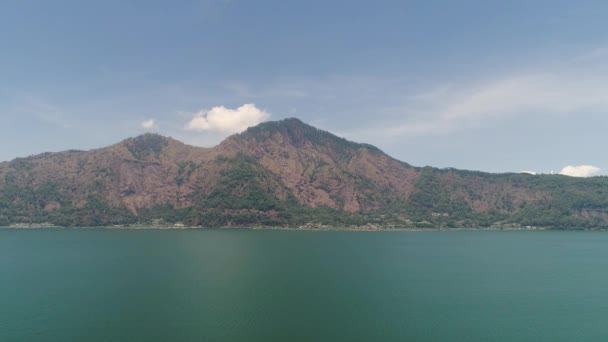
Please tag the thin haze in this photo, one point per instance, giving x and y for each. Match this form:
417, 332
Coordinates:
487, 85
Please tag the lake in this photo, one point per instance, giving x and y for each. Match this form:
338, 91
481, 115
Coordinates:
262, 285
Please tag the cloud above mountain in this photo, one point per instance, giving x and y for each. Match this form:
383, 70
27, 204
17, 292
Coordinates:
149, 124
580, 171
226, 120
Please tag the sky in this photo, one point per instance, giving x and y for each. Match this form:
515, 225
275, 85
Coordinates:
497, 86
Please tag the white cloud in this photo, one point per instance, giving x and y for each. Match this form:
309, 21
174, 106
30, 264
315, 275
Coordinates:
529, 172
149, 124
580, 171
227, 120
541, 93
575, 88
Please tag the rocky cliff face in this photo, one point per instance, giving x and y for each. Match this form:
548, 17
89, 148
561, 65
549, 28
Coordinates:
283, 172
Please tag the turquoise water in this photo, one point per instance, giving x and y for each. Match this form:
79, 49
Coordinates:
242, 285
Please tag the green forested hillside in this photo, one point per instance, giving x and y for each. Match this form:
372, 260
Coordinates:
288, 174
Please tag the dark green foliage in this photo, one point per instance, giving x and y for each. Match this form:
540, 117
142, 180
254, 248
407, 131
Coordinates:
21, 164
432, 198
146, 145
26, 204
563, 204
9, 178
244, 185
96, 212
184, 171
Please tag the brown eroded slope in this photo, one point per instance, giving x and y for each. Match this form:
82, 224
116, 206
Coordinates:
269, 169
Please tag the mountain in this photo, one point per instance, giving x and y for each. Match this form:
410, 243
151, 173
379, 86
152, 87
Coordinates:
283, 173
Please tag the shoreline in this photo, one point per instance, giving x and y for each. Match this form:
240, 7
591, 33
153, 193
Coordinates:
328, 229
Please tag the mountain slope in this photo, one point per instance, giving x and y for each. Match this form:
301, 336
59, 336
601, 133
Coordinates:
322, 169
282, 173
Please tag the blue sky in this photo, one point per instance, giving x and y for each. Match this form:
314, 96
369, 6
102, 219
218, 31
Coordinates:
487, 85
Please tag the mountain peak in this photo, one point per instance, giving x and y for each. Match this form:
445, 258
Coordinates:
283, 126
148, 144
299, 133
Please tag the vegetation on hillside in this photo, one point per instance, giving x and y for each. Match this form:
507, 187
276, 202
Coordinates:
107, 187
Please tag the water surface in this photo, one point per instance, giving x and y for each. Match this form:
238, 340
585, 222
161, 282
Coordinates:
243, 285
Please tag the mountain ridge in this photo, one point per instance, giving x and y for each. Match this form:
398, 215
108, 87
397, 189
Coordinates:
282, 173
